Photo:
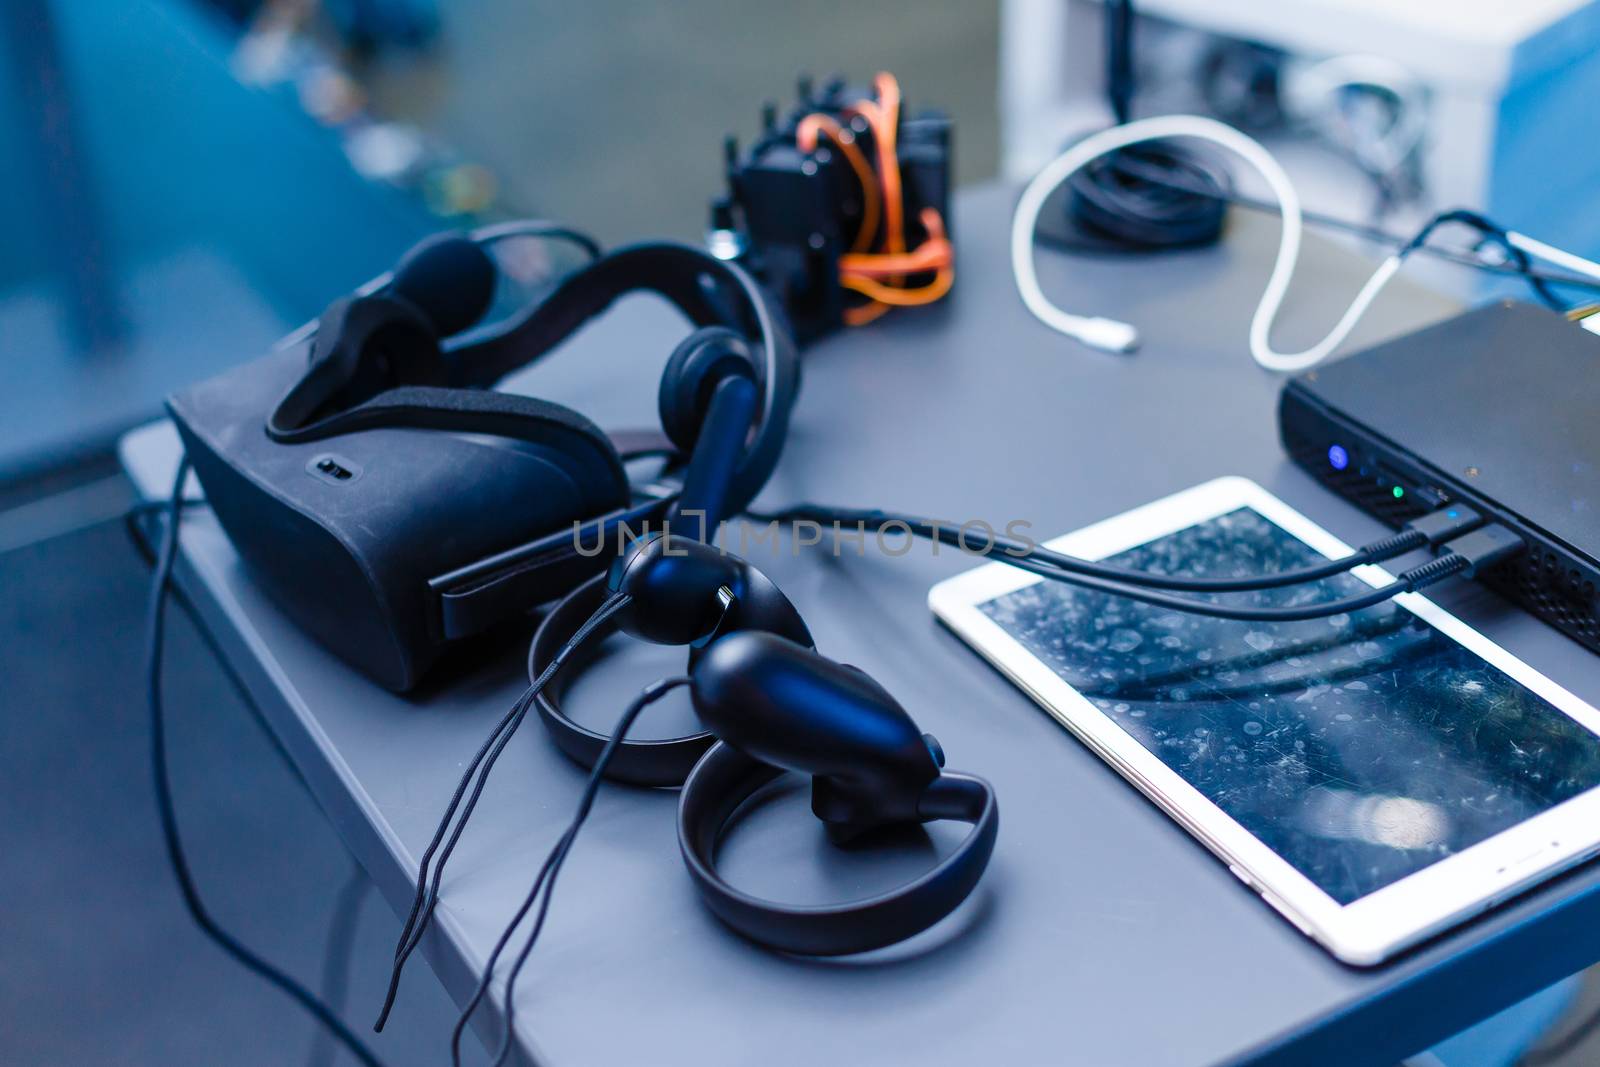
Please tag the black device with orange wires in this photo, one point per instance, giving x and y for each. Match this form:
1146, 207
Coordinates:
841, 207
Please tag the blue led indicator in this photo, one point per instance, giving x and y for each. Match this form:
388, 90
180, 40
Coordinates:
1338, 458
1453, 513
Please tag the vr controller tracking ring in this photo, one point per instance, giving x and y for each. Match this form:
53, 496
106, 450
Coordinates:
682, 592
725, 778
647, 762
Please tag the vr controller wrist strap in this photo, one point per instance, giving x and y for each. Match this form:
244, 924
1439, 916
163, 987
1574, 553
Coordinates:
725, 778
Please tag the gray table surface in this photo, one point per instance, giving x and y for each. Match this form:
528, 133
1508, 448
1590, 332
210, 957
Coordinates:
1102, 933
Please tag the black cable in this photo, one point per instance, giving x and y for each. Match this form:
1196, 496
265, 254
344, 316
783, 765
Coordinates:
155, 640
1492, 232
336, 959
427, 893
1088, 575
1557, 1050
138, 537
1163, 195
1119, 200
1408, 582
1120, 75
1468, 554
1009, 549
138, 511
546, 879
1519, 266
1139, 197
422, 901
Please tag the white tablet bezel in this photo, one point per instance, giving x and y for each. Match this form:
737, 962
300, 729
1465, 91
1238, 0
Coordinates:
1375, 926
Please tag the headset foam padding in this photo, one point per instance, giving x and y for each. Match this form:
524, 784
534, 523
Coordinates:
700, 361
449, 278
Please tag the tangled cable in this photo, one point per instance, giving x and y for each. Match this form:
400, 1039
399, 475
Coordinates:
1133, 188
1157, 194
882, 270
1115, 336
429, 878
1152, 195
545, 882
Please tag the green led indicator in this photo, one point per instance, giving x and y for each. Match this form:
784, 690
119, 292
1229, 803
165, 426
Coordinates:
1399, 492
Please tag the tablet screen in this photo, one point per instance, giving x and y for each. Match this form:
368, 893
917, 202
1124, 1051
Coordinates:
1361, 748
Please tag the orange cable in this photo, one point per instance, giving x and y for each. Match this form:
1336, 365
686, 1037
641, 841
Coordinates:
883, 115
864, 313
901, 296
931, 254
880, 276
936, 254
806, 137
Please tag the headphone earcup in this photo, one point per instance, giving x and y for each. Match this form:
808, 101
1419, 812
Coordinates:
702, 360
449, 278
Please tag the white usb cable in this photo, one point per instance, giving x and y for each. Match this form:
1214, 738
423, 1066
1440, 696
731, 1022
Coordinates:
1114, 336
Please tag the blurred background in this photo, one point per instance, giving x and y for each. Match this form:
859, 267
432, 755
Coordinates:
187, 180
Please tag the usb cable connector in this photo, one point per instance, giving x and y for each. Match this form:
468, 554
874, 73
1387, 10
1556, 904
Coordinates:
1482, 549
1446, 523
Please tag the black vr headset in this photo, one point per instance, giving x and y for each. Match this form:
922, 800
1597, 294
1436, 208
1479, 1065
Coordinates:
392, 502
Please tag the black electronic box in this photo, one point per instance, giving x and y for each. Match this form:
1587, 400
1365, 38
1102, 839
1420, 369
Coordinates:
1498, 409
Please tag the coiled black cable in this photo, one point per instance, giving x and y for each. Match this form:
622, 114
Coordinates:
1151, 196
154, 643
1139, 198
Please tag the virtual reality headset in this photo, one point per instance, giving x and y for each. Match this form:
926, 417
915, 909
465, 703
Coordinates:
392, 502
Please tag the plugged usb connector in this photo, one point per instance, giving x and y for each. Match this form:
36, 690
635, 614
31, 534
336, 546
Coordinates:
1446, 523
1482, 549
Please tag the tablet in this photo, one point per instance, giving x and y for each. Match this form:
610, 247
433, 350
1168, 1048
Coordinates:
1375, 776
